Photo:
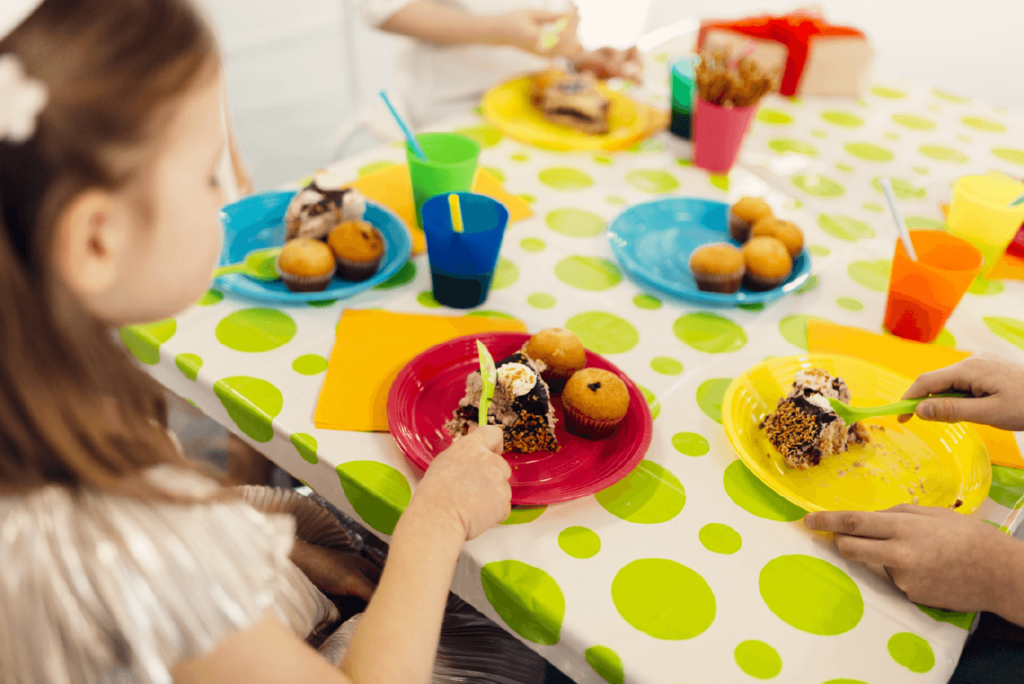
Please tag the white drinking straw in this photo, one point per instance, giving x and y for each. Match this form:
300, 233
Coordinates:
901, 226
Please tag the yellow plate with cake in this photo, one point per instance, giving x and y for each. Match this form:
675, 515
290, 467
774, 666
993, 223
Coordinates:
934, 462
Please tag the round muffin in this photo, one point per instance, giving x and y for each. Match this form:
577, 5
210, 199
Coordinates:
768, 263
595, 403
717, 267
358, 248
558, 354
744, 214
306, 265
784, 231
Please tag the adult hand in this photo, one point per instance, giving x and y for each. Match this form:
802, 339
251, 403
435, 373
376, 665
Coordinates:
468, 483
997, 386
336, 573
608, 62
525, 29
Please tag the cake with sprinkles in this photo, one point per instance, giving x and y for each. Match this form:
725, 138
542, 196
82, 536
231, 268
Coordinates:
804, 428
521, 406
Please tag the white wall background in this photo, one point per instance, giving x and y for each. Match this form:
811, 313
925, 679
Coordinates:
290, 85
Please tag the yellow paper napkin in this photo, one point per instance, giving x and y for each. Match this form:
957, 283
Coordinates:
910, 359
371, 348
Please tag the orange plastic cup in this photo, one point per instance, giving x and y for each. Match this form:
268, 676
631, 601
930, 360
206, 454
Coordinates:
923, 294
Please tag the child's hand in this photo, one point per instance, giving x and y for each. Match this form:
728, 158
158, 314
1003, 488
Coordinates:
334, 572
525, 29
608, 62
997, 386
469, 483
937, 557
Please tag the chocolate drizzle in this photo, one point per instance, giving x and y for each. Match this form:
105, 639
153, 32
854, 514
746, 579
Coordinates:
594, 386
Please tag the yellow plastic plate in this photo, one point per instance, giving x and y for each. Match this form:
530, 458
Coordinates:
934, 463
508, 108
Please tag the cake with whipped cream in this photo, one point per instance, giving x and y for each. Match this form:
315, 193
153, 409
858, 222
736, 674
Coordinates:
521, 406
804, 428
321, 206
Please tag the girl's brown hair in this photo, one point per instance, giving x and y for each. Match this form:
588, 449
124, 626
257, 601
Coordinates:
74, 408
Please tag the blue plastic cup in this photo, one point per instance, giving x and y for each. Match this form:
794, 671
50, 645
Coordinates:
462, 264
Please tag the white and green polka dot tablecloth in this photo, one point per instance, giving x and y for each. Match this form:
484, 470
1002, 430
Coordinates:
689, 571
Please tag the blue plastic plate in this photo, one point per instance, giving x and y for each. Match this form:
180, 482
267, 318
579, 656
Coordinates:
653, 242
257, 222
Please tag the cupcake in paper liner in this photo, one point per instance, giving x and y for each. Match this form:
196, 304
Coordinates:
596, 402
717, 267
744, 214
358, 248
558, 354
306, 265
767, 262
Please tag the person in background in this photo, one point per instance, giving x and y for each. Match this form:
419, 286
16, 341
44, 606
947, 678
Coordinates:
459, 49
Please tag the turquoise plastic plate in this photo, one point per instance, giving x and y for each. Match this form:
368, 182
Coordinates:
653, 242
257, 222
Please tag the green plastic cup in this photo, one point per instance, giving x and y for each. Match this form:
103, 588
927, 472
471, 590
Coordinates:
449, 167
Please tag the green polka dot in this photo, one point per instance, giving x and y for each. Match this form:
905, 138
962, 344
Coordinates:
709, 333
663, 599
681, 161
842, 118
811, 595
941, 153
575, 223
690, 444
528, 197
323, 303
889, 93
845, 167
539, 300
850, 304
490, 313
519, 157
819, 134
210, 298
809, 286
845, 227
144, 341
720, 181
306, 445
666, 365
794, 329
309, 364
405, 275
903, 189
526, 598
819, 186
924, 223
615, 199
915, 122
373, 167
758, 659
603, 333
980, 124
869, 152
1009, 154
844, 681
912, 652
588, 273
961, 620
773, 117
377, 492
719, 538
521, 515
498, 174
256, 330
986, 288
1007, 487
1010, 329
949, 96
606, 663
427, 299
505, 274
486, 136
873, 275
784, 145
963, 138
565, 178
646, 301
653, 181
819, 250
755, 497
600, 159
189, 365
532, 244
710, 395
251, 403
649, 495
579, 542
756, 306
652, 401
944, 339
872, 206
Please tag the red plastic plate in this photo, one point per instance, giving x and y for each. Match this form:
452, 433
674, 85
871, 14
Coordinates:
427, 391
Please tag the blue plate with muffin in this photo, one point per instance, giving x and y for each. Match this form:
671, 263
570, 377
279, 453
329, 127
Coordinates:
654, 243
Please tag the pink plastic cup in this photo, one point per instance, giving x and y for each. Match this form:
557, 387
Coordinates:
718, 133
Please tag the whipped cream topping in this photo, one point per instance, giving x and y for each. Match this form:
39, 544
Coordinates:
325, 180
819, 401
516, 378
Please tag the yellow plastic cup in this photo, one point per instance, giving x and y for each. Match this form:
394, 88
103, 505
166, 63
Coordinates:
981, 214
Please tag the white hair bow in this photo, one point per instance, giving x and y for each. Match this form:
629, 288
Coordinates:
22, 98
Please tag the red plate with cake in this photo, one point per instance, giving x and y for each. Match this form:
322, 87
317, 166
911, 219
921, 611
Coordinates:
427, 392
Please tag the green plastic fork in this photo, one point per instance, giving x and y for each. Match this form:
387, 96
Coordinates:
854, 414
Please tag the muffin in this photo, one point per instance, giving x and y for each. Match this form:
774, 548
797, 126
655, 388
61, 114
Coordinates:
321, 206
768, 263
717, 267
744, 214
784, 231
306, 265
358, 248
558, 354
595, 403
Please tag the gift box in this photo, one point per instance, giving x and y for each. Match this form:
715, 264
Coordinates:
812, 56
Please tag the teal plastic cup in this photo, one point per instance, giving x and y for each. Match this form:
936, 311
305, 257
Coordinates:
449, 167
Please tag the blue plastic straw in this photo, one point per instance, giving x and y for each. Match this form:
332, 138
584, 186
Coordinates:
410, 138
1019, 200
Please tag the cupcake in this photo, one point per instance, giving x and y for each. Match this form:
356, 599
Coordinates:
321, 206
358, 248
744, 214
558, 354
767, 262
306, 265
717, 267
595, 403
783, 231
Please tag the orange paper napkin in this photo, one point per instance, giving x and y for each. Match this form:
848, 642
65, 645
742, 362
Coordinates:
391, 187
910, 359
371, 348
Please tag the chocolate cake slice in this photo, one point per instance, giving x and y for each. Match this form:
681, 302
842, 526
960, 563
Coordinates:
576, 101
521, 406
